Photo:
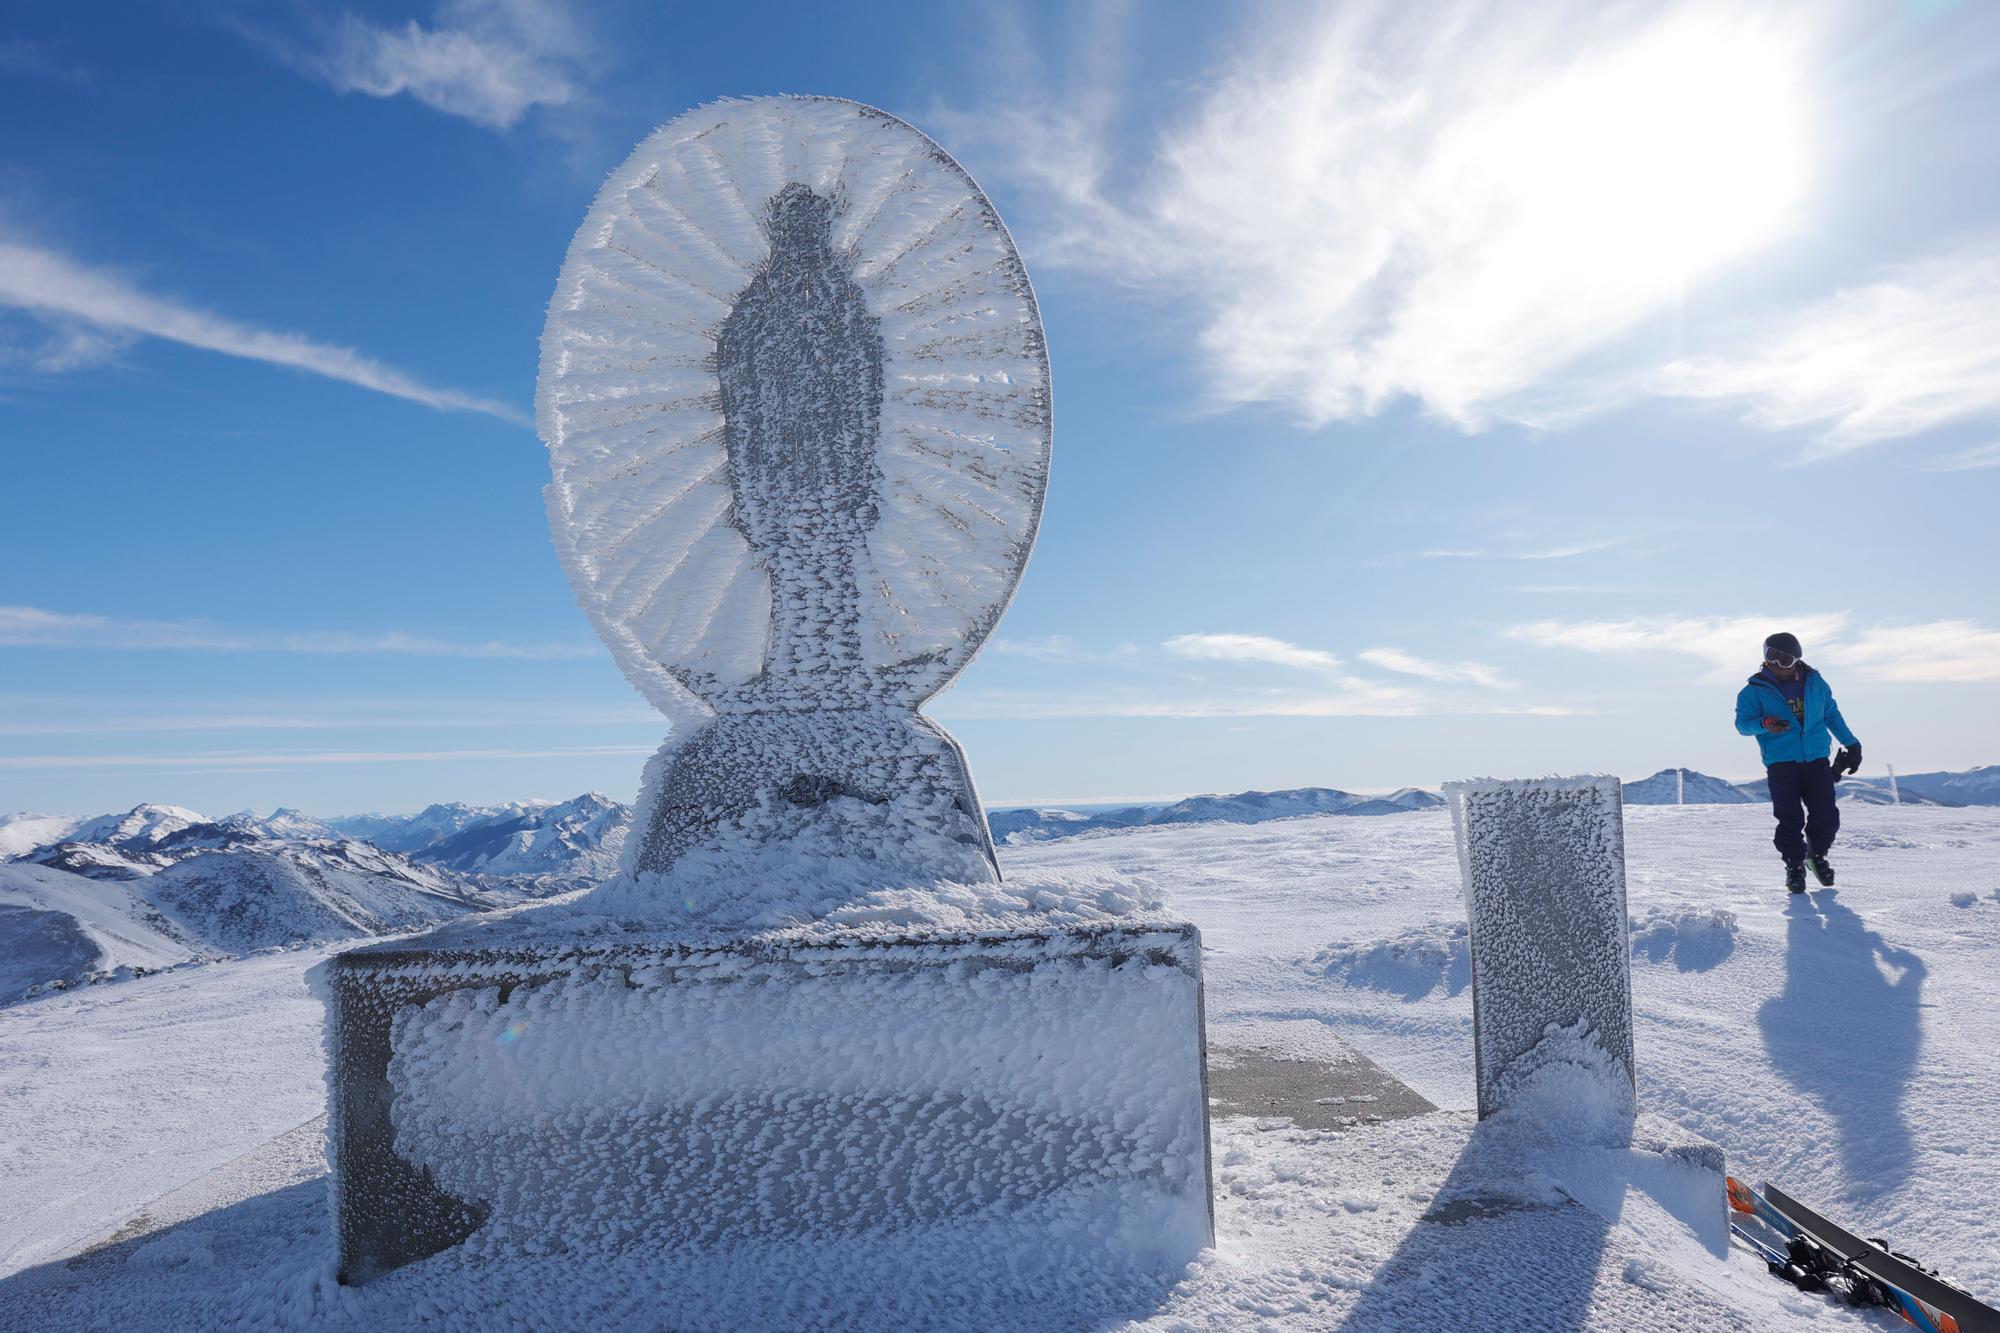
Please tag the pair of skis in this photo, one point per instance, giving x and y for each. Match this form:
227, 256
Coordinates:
1820, 1256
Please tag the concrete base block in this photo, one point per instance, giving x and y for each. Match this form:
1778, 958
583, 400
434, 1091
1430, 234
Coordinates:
620, 1088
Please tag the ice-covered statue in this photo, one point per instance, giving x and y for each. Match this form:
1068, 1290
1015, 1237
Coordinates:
796, 396
796, 399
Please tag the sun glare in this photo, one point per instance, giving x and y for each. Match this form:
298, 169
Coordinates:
1661, 159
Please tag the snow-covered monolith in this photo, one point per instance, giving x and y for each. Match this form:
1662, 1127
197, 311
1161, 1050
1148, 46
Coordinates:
796, 398
1544, 867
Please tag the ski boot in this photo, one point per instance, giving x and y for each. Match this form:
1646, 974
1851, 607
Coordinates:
1795, 876
1822, 870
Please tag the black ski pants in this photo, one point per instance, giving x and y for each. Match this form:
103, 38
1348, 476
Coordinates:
1802, 798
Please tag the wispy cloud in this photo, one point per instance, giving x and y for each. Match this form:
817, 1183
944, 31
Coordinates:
487, 61
1559, 551
1048, 648
1968, 460
1932, 651
1250, 648
1445, 203
1408, 664
250, 760
34, 626
86, 306
1939, 650
1233, 678
60, 715
1727, 643
990, 705
23, 59
1915, 350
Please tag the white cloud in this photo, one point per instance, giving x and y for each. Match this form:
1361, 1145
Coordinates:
1560, 551
56, 345
1449, 203
1050, 648
1408, 664
58, 715
1935, 651
1365, 701
1940, 651
1728, 643
62, 293
1968, 460
248, 760
488, 61
1143, 690
32, 626
1250, 648
1913, 351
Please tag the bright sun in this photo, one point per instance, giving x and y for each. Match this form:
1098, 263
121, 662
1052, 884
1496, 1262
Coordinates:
1665, 157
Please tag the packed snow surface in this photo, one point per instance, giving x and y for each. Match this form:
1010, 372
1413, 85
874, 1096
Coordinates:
1842, 1044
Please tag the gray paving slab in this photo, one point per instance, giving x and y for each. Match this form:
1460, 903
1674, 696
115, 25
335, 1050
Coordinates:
1313, 1094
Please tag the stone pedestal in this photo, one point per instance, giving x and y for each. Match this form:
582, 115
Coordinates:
540, 1088
1544, 867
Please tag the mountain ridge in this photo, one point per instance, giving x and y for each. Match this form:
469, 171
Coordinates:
88, 899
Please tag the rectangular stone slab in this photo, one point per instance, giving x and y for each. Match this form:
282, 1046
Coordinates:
1544, 867
620, 1090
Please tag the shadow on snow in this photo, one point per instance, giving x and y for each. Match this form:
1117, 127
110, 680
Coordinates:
1847, 1031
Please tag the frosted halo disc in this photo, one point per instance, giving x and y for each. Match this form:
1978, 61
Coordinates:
706, 570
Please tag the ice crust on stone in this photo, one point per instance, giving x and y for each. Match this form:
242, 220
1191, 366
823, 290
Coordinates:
796, 397
721, 1098
797, 406
1569, 1088
788, 867
1543, 862
1025, 1057
631, 398
796, 902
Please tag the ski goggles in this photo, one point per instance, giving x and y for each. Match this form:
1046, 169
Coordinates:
1780, 659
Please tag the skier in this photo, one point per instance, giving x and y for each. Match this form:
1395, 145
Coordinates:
1789, 708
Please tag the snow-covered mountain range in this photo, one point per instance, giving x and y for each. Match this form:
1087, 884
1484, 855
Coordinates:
1677, 786
158, 886
575, 841
1039, 824
1026, 824
163, 886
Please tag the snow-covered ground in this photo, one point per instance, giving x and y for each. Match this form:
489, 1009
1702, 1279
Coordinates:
1843, 1044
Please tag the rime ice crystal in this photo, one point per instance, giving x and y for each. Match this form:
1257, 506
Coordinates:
797, 406
796, 397
631, 1090
1544, 868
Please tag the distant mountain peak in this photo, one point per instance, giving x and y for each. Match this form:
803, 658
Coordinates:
1684, 785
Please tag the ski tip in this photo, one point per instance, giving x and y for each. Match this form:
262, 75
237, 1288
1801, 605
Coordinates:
1740, 1196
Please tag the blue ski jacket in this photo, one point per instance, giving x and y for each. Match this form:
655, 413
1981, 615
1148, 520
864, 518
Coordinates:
1806, 739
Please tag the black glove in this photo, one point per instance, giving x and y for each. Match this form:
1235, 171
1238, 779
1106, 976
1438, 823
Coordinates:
1847, 761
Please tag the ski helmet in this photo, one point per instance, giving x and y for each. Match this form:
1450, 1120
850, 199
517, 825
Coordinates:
1788, 644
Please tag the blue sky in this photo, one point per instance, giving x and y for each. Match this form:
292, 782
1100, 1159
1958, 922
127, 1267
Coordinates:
1441, 389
